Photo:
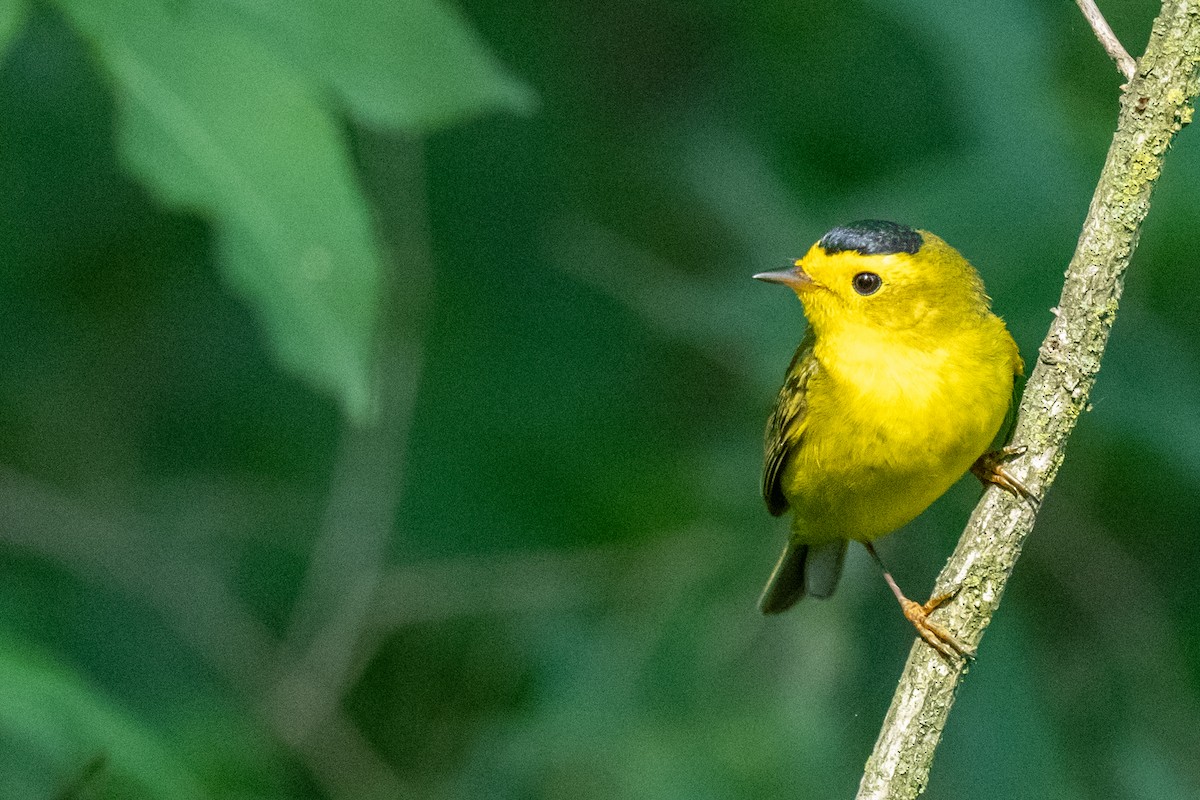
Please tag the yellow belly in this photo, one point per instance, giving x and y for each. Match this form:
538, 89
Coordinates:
883, 437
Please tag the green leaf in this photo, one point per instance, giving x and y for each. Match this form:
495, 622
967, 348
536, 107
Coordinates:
214, 121
12, 18
415, 64
61, 739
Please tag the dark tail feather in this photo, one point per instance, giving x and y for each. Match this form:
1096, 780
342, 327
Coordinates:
801, 568
785, 587
824, 567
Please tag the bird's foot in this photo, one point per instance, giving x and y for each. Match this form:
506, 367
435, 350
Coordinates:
938, 637
990, 468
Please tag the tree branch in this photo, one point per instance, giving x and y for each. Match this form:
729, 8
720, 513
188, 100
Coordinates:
1155, 107
330, 616
1104, 32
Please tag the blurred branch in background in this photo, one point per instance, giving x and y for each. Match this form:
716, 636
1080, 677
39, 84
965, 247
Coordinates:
676, 305
347, 560
125, 551
517, 585
1155, 108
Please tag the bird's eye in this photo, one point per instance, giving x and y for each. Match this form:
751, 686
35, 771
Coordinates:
866, 283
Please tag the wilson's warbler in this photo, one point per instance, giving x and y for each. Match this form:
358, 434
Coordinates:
901, 385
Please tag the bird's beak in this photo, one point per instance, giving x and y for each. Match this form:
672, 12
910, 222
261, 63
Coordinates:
794, 276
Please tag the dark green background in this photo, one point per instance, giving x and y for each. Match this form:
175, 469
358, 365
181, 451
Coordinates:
531, 570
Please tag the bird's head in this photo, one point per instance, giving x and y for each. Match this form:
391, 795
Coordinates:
884, 276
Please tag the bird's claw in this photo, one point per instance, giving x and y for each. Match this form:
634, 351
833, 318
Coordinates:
990, 468
937, 636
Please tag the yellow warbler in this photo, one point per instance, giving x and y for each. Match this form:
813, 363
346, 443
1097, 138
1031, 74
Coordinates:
901, 385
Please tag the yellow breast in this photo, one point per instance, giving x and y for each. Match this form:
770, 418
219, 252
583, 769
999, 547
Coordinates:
892, 424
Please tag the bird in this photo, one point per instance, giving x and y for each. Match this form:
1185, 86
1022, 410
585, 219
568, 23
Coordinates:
903, 381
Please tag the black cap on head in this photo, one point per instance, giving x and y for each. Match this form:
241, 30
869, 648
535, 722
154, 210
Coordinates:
872, 237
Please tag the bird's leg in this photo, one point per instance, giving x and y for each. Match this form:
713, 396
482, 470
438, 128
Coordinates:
938, 637
989, 468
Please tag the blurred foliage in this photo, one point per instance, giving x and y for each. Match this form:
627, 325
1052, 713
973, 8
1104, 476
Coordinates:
382, 387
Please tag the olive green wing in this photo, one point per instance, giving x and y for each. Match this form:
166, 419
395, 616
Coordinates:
786, 422
1004, 435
